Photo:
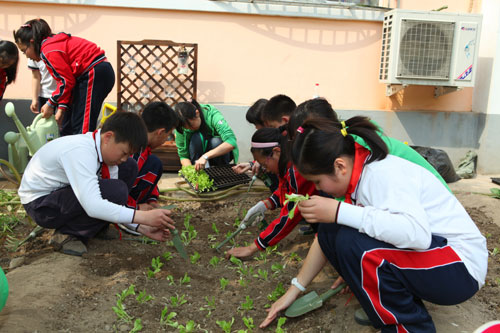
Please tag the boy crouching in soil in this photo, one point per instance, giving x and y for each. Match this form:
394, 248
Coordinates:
78, 184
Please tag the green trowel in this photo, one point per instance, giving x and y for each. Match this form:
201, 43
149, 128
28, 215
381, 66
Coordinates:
176, 238
311, 301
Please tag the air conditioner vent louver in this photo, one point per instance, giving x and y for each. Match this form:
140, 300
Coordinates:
425, 49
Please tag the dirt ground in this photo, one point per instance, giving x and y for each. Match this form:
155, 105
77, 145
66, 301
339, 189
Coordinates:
53, 292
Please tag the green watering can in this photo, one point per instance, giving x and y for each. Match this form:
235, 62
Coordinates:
4, 289
311, 301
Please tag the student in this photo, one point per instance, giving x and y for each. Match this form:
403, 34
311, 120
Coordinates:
203, 135
254, 113
400, 237
9, 56
277, 111
78, 184
42, 85
320, 108
267, 149
84, 76
160, 121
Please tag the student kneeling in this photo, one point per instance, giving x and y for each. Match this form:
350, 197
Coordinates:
78, 184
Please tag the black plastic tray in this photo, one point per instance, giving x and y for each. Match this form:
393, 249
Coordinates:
496, 180
224, 176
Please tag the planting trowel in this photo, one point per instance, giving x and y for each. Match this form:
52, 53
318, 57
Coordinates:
311, 301
176, 238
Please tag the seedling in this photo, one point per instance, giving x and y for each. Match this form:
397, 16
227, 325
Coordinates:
223, 283
210, 306
295, 198
261, 257
214, 228
236, 261
248, 304
119, 309
143, 297
276, 293
243, 282
276, 268
170, 280
198, 179
248, 321
245, 270
177, 301
237, 222
262, 274
190, 327
166, 317
167, 256
281, 322
214, 261
189, 233
295, 256
156, 264
225, 325
271, 249
494, 252
195, 257
137, 326
231, 241
185, 279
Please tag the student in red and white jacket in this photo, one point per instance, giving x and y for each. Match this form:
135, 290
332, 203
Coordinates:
84, 76
160, 120
399, 238
268, 150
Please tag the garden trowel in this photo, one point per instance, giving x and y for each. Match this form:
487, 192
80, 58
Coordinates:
176, 238
310, 301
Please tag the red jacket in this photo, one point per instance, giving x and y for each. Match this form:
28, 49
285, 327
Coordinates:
67, 58
149, 177
3, 82
292, 182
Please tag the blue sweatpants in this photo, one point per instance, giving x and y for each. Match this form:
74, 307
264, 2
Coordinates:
199, 146
391, 283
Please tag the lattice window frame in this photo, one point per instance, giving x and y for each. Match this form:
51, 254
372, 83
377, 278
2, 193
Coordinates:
164, 83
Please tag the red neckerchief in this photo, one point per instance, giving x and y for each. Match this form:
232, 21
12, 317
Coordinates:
360, 156
104, 168
143, 157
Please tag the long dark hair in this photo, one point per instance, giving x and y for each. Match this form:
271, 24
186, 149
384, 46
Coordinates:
37, 30
321, 141
8, 51
186, 111
268, 135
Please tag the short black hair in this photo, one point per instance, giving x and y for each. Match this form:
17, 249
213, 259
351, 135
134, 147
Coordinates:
278, 106
158, 115
127, 127
254, 113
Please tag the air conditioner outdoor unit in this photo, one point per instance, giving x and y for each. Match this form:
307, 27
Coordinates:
429, 48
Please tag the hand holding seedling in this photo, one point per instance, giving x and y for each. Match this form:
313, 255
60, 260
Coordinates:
283, 303
158, 218
319, 209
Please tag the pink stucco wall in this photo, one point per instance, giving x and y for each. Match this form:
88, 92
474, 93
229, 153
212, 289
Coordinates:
246, 57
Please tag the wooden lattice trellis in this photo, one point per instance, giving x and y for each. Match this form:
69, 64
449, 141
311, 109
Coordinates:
148, 71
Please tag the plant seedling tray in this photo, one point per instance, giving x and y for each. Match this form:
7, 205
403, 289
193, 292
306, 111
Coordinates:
224, 176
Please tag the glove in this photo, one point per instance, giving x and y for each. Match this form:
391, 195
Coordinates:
259, 208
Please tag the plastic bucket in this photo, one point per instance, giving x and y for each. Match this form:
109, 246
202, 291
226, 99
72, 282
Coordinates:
4, 289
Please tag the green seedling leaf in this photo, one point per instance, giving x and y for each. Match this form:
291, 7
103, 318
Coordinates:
261, 274
223, 283
167, 256
200, 180
494, 252
177, 300
279, 327
243, 282
185, 279
276, 293
247, 305
214, 228
276, 268
170, 280
214, 261
143, 297
210, 306
248, 321
137, 326
295, 198
236, 261
495, 193
195, 257
225, 325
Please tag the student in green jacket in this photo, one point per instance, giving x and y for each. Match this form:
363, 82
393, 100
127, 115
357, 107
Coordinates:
203, 137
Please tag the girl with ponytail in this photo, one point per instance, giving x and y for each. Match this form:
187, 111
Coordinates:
399, 237
268, 148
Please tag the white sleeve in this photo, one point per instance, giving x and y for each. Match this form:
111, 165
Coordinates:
84, 182
391, 211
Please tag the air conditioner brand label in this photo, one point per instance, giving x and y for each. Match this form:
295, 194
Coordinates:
465, 46
465, 74
468, 29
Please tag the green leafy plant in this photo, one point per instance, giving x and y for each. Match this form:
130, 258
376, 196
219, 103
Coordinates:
214, 261
276, 293
271, 249
295, 198
156, 264
223, 283
185, 279
279, 326
167, 256
137, 326
494, 252
243, 282
276, 268
214, 228
262, 274
119, 309
170, 280
225, 325
495, 193
189, 233
177, 300
166, 317
143, 297
247, 305
262, 256
295, 257
210, 306
248, 321
188, 328
195, 257
200, 180
236, 261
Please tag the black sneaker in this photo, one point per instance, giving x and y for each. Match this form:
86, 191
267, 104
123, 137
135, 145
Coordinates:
361, 317
67, 244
